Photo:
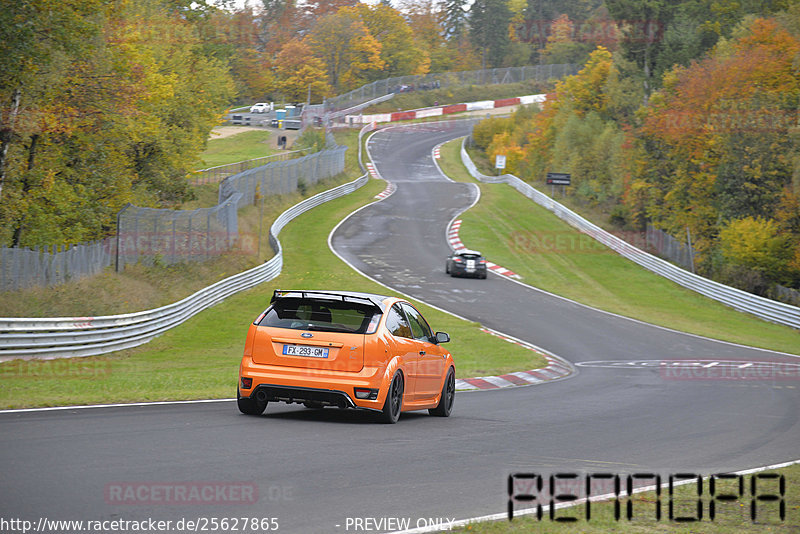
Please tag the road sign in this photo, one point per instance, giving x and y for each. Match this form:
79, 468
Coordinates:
558, 178
499, 161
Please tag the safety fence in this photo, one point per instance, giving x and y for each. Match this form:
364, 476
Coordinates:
670, 248
282, 177
422, 82
767, 309
214, 175
164, 236
48, 266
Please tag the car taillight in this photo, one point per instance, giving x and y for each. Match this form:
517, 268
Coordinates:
373, 324
247, 382
458, 260
482, 262
366, 393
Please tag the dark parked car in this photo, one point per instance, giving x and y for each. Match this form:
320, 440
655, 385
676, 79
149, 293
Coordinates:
466, 263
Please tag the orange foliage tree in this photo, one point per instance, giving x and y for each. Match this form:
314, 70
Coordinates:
716, 138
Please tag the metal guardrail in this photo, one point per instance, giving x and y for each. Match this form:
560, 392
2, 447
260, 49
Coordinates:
64, 337
770, 310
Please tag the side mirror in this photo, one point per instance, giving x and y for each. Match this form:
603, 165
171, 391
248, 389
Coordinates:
442, 337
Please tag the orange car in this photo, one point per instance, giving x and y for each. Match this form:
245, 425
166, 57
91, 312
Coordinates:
349, 350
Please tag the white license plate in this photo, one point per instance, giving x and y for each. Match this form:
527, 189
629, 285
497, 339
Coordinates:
305, 350
470, 265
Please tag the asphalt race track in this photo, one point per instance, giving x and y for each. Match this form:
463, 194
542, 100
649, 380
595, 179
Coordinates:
312, 470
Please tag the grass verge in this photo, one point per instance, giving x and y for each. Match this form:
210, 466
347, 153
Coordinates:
730, 516
513, 231
240, 147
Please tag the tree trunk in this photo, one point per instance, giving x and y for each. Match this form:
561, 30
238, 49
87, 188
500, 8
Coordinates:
6, 135
26, 187
32, 150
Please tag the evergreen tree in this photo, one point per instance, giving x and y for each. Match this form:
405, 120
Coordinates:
455, 25
489, 21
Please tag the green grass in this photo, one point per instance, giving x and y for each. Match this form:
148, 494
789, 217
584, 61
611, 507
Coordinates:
730, 518
513, 231
242, 146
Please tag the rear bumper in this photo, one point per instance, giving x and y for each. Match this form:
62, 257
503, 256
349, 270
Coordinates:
457, 270
290, 395
297, 385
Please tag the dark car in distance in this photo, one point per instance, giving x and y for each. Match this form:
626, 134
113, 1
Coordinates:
466, 263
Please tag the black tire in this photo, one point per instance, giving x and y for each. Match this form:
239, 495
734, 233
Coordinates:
447, 268
250, 406
394, 400
445, 406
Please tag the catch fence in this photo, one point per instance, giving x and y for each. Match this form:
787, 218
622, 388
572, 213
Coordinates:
283, 177
670, 248
214, 175
422, 82
50, 266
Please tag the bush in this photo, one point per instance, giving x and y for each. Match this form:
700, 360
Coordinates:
311, 138
756, 244
485, 131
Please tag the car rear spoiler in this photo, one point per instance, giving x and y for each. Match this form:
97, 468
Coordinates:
284, 293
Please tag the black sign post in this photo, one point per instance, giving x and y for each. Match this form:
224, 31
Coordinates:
558, 178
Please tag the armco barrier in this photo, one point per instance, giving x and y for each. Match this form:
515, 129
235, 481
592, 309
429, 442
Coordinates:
65, 337
770, 310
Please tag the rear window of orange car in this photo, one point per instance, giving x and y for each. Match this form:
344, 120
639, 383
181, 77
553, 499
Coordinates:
321, 314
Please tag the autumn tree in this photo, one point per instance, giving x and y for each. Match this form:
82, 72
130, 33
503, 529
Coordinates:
300, 74
34, 37
562, 47
346, 47
120, 116
399, 54
717, 137
279, 21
